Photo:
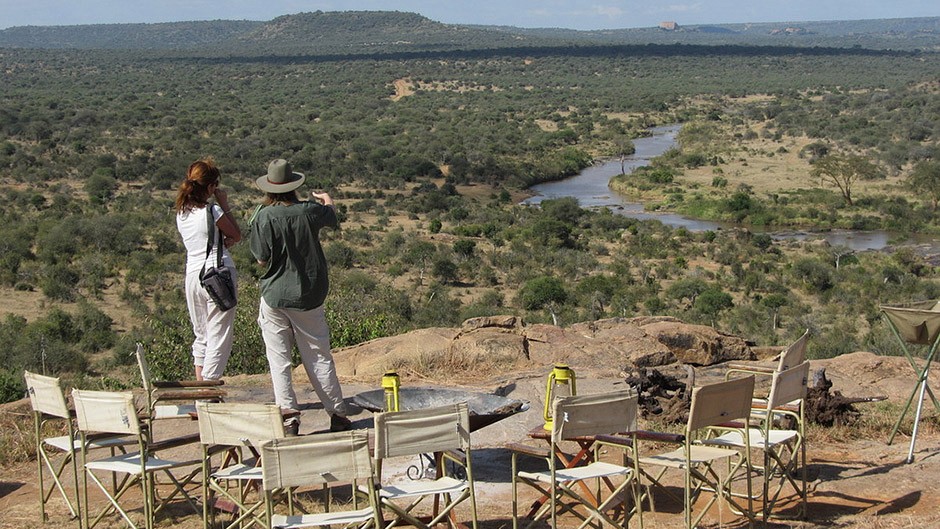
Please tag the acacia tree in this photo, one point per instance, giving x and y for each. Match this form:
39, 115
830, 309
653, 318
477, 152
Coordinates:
624, 147
925, 181
844, 170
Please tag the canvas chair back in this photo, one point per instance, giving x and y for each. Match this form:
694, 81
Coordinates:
238, 424
600, 414
721, 402
45, 395
788, 386
794, 354
422, 431
106, 412
319, 459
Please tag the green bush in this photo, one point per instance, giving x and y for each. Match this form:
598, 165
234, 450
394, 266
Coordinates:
12, 386
541, 291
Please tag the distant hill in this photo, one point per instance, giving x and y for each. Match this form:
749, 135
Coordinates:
316, 32
377, 32
898, 33
370, 32
169, 35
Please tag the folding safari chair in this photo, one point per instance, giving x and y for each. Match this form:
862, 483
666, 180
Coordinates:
793, 355
320, 460
173, 399
608, 419
443, 431
918, 324
235, 432
712, 405
114, 413
48, 403
784, 450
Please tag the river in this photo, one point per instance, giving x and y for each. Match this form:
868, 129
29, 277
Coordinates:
591, 188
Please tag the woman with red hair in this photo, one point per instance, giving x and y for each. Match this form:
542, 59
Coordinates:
212, 326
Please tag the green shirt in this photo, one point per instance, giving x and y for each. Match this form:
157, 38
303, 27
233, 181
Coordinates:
287, 238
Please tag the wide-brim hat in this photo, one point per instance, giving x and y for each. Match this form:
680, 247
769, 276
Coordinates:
280, 178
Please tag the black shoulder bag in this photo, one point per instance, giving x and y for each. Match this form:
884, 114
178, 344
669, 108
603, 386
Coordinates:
217, 280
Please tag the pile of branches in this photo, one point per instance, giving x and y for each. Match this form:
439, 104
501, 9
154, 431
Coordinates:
668, 399
662, 396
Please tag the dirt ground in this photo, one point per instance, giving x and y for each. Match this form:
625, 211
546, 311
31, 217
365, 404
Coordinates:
855, 483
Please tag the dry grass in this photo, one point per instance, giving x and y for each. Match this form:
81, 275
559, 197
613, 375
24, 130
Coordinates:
456, 366
876, 421
17, 437
770, 166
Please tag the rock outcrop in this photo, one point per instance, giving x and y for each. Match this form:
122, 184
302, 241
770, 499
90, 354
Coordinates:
497, 344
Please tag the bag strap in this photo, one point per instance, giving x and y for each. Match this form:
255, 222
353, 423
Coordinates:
211, 228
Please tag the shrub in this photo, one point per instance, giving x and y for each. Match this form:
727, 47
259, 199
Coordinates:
712, 301
340, 255
12, 386
815, 275
541, 291
95, 329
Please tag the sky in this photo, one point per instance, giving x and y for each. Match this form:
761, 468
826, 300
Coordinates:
572, 14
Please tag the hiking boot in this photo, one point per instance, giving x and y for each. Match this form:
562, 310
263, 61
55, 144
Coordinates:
292, 426
338, 423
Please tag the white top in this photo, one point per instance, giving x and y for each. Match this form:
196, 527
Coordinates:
192, 227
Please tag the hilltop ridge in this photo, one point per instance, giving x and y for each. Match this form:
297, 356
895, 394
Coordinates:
396, 31
328, 32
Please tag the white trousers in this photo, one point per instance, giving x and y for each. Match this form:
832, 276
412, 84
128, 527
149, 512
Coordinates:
213, 328
281, 330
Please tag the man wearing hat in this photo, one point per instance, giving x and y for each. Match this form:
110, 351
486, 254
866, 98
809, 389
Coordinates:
285, 239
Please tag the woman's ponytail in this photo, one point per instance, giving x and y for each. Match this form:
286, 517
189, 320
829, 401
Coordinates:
194, 189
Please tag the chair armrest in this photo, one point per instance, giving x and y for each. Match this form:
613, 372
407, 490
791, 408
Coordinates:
457, 456
731, 425
187, 383
99, 436
524, 449
785, 408
750, 369
661, 437
217, 449
194, 394
166, 444
614, 440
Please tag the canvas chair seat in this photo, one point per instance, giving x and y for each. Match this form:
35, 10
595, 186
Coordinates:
66, 443
598, 469
757, 438
341, 518
576, 487
698, 455
444, 485
173, 411
248, 471
131, 464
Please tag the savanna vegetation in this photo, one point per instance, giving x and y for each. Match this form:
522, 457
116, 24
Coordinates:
427, 154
